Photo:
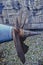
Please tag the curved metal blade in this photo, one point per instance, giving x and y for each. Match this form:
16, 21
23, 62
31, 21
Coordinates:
17, 25
18, 47
31, 33
37, 29
24, 46
20, 18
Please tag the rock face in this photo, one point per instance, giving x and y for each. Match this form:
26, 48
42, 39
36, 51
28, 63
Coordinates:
32, 8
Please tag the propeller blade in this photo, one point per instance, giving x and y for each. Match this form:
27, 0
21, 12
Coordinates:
24, 46
19, 49
30, 33
17, 25
20, 18
40, 29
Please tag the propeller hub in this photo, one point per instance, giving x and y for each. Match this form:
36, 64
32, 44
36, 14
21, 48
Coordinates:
20, 32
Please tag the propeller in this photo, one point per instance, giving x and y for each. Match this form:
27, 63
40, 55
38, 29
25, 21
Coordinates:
16, 38
19, 36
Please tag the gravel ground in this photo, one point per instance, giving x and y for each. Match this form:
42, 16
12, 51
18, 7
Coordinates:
34, 54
